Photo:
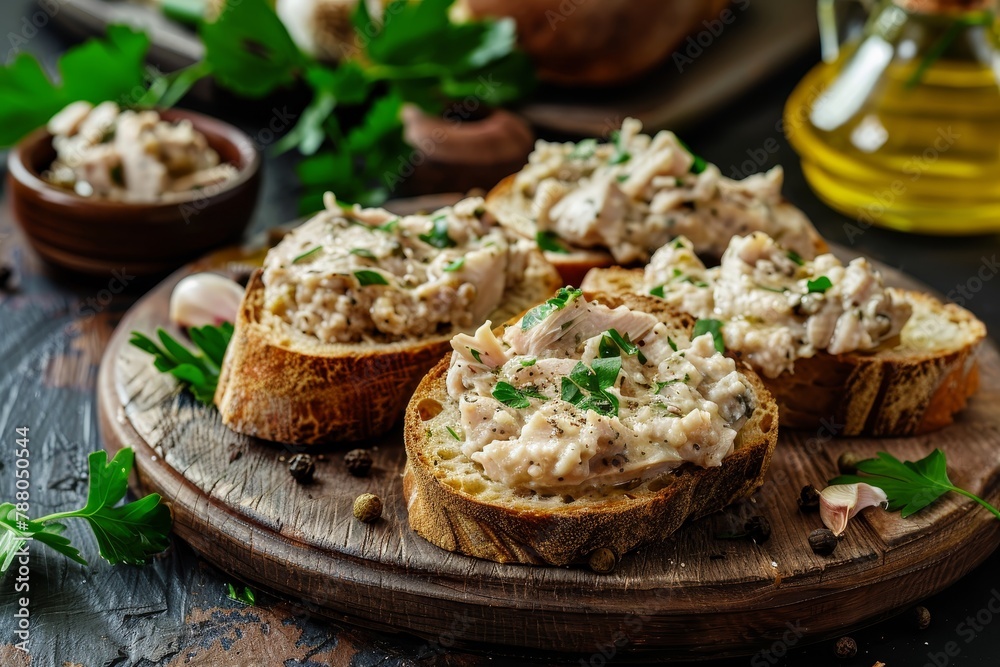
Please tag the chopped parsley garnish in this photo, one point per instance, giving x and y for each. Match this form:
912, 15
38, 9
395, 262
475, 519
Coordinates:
657, 291
366, 278
621, 155
587, 388
661, 385
671, 343
454, 433
612, 342
621, 178
307, 253
390, 226
795, 257
549, 241
363, 252
516, 398
678, 243
455, 266
438, 236
713, 327
475, 355
564, 296
583, 149
700, 164
820, 285
528, 362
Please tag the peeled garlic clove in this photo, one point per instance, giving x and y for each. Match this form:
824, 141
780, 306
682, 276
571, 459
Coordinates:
205, 298
841, 502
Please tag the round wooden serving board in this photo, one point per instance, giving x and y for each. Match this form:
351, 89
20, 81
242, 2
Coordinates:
695, 596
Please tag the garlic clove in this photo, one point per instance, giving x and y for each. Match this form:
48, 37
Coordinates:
839, 503
205, 298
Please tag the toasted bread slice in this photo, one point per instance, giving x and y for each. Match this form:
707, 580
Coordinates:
453, 505
913, 384
513, 211
280, 384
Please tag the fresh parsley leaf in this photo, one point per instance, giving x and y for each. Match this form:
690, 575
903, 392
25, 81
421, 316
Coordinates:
564, 296
129, 533
660, 385
389, 227
613, 339
249, 50
595, 381
713, 327
246, 597
454, 433
366, 277
438, 235
583, 149
700, 164
795, 257
528, 362
550, 242
198, 372
671, 343
516, 398
621, 154
910, 485
658, 291
307, 253
98, 70
455, 265
476, 355
820, 285
363, 252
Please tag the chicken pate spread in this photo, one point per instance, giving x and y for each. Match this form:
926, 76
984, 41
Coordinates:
577, 395
105, 152
776, 306
365, 275
635, 194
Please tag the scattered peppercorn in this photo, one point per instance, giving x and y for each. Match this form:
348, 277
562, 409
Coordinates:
809, 499
758, 529
922, 617
367, 508
846, 647
847, 464
602, 561
358, 462
302, 467
823, 541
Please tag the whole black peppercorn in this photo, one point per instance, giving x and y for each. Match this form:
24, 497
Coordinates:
846, 647
367, 508
602, 561
823, 541
758, 529
809, 499
847, 464
302, 467
358, 462
922, 617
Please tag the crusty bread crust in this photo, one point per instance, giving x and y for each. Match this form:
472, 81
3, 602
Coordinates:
279, 384
556, 530
513, 212
913, 385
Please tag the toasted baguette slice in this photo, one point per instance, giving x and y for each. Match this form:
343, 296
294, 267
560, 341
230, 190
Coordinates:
280, 384
914, 384
513, 211
454, 506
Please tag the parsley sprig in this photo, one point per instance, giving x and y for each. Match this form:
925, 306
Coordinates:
587, 388
910, 485
129, 533
510, 395
198, 372
564, 296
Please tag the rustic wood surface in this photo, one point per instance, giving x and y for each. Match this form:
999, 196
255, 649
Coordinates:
236, 504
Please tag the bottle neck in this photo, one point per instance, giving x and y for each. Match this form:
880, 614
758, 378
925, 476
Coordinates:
946, 6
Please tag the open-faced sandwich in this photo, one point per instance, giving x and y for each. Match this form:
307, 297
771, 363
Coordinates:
354, 306
592, 204
587, 423
831, 340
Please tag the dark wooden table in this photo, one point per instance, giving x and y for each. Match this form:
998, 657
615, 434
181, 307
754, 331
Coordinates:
53, 329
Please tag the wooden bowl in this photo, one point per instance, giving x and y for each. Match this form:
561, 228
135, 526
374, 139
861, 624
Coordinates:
95, 236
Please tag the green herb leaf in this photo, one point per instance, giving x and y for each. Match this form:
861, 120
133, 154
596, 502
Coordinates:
820, 285
363, 252
366, 277
671, 343
621, 154
528, 362
910, 485
246, 597
438, 236
621, 343
660, 385
476, 355
389, 227
455, 265
198, 372
795, 257
713, 327
307, 253
550, 242
700, 164
595, 381
454, 433
583, 149
516, 398
564, 296
658, 291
